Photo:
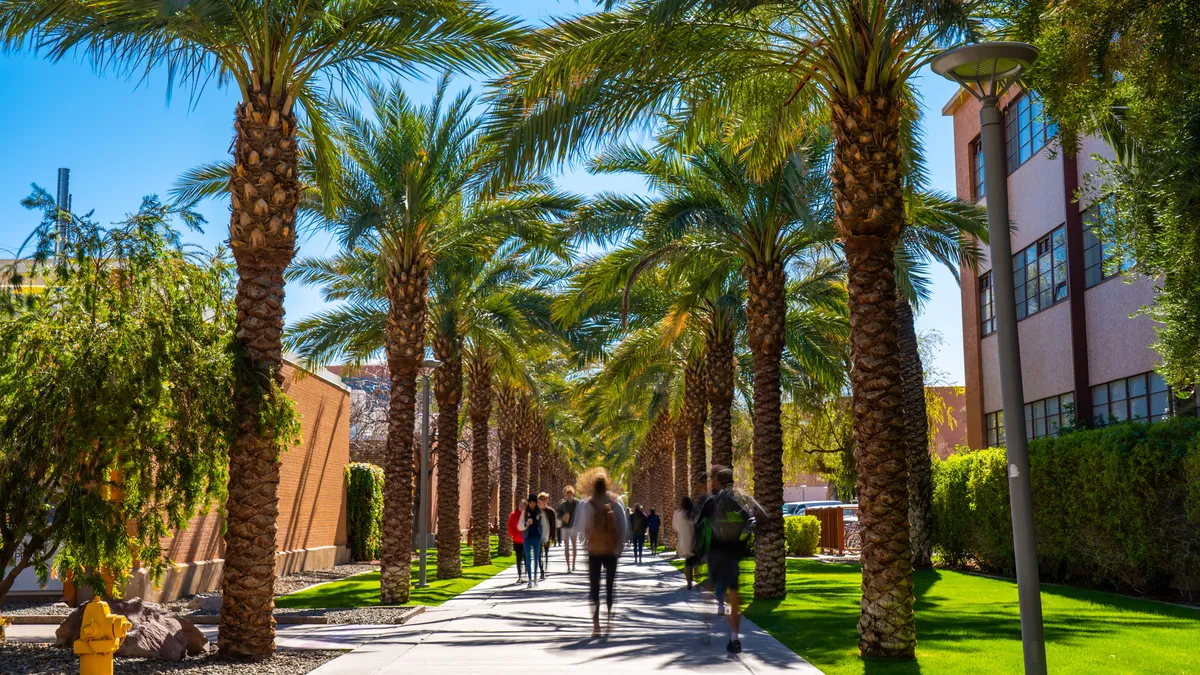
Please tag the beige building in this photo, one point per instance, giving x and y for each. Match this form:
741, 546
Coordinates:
1083, 348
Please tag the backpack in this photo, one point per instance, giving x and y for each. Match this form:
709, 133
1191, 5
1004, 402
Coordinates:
604, 537
732, 525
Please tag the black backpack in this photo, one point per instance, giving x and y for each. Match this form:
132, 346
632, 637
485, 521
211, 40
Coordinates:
732, 524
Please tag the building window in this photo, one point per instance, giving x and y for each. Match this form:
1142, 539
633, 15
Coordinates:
1025, 129
977, 186
995, 429
1097, 253
987, 305
1047, 416
1141, 397
1040, 273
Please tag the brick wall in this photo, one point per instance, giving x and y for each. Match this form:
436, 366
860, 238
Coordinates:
312, 498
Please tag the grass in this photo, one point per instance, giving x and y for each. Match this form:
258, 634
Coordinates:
362, 590
970, 624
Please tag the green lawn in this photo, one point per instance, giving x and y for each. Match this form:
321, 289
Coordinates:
970, 624
362, 590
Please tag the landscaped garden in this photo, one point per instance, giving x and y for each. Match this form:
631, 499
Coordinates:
968, 623
362, 590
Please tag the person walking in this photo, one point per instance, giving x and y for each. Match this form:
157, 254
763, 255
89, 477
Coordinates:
681, 520
532, 524
518, 539
547, 541
728, 514
638, 523
569, 535
653, 522
606, 529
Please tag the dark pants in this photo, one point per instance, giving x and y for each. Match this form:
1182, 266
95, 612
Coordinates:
595, 562
654, 541
519, 549
639, 543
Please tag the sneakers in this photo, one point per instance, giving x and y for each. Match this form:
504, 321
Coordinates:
530, 584
734, 647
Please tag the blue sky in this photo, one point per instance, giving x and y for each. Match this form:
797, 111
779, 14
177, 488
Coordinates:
123, 139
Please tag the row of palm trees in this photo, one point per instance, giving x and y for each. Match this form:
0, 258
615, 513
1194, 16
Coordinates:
788, 155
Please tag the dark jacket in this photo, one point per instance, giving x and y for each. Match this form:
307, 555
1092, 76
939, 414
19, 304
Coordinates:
654, 522
567, 508
638, 523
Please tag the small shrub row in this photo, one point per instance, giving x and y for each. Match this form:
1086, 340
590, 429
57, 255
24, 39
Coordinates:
1117, 506
364, 517
802, 534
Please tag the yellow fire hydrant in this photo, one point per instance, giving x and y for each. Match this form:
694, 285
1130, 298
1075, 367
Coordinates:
100, 636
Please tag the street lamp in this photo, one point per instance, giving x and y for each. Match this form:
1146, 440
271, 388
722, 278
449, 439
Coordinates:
986, 71
427, 367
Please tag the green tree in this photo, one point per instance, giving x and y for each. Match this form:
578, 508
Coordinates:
115, 382
277, 53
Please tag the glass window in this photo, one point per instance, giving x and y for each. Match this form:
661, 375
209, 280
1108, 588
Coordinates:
987, 305
977, 186
1025, 129
995, 428
1143, 397
1099, 255
1040, 273
1047, 416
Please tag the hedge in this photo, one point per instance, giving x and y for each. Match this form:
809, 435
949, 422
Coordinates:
802, 534
1117, 506
364, 518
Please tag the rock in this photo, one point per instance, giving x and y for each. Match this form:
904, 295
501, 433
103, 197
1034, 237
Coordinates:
156, 633
209, 604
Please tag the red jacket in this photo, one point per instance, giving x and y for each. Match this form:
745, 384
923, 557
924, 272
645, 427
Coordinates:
513, 532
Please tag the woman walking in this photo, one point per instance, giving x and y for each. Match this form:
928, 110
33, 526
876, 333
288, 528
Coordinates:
532, 524
514, 532
681, 520
606, 529
653, 522
638, 523
550, 532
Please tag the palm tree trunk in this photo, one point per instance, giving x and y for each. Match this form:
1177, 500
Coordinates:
766, 313
521, 448
920, 465
696, 397
448, 389
506, 469
405, 346
479, 409
682, 476
720, 398
264, 193
868, 199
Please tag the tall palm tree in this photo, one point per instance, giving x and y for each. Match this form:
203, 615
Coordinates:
506, 403
277, 53
696, 416
713, 208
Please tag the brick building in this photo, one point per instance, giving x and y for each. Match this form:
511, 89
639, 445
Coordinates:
1084, 349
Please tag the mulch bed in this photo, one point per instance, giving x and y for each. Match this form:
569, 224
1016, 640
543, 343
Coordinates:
45, 659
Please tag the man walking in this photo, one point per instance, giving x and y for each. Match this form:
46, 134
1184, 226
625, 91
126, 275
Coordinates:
653, 522
728, 516
602, 516
570, 536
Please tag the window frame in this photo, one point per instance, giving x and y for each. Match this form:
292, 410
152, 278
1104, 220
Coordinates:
978, 187
1097, 271
994, 428
1041, 411
987, 305
1026, 131
1042, 263
1128, 392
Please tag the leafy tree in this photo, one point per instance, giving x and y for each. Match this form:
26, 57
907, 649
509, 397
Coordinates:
277, 53
115, 378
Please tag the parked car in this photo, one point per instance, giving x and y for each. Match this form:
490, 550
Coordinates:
797, 508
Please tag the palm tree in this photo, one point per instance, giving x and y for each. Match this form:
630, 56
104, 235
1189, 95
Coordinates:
277, 53
696, 415
506, 404
715, 210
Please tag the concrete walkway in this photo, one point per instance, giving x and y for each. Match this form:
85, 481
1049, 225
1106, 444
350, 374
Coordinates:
501, 627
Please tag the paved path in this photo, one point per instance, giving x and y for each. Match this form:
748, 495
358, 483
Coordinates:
500, 627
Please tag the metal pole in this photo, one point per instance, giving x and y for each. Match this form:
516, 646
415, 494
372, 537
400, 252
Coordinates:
424, 478
1011, 387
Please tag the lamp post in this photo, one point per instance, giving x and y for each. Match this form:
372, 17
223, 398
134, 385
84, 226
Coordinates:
426, 368
986, 71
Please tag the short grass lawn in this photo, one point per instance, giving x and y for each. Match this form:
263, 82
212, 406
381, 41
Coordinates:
362, 590
970, 624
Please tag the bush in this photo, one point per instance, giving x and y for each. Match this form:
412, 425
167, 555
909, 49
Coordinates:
1118, 506
803, 534
364, 518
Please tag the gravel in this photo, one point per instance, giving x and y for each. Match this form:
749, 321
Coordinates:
31, 606
361, 615
46, 659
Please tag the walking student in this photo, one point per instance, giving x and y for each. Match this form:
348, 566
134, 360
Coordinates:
681, 520
727, 513
514, 532
569, 535
638, 523
550, 517
653, 522
532, 524
602, 517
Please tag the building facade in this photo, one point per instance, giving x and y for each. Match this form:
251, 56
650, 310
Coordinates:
1085, 350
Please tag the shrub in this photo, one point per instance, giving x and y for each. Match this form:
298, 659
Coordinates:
803, 534
1118, 506
364, 518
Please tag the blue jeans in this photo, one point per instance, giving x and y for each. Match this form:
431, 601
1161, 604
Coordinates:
533, 555
639, 541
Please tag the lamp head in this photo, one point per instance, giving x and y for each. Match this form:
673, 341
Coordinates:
984, 69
